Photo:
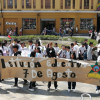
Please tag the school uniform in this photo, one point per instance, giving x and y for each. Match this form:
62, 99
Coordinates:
71, 85
51, 53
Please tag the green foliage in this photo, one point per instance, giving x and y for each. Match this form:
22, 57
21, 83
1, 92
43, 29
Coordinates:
32, 37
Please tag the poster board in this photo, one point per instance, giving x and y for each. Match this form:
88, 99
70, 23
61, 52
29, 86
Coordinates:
49, 69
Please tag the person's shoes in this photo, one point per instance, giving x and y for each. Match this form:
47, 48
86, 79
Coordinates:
48, 89
16, 85
31, 89
69, 90
25, 83
56, 89
73, 90
97, 92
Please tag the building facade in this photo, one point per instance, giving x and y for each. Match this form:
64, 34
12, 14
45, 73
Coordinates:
34, 15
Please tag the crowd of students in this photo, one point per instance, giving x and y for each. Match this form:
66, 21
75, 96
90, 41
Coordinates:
75, 51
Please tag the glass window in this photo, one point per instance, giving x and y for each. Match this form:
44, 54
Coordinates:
91, 4
15, 3
53, 4
34, 3
10, 3
41, 3
22, 3
67, 4
86, 4
29, 23
61, 4
28, 3
98, 1
73, 4
67, 23
80, 4
85, 24
4, 3
47, 4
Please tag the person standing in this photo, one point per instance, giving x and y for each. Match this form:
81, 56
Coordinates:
89, 51
51, 54
77, 29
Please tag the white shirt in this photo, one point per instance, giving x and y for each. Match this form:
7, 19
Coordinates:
39, 55
76, 49
62, 53
31, 47
56, 49
98, 47
68, 54
82, 49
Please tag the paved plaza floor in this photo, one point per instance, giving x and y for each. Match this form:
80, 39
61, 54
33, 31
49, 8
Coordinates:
8, 92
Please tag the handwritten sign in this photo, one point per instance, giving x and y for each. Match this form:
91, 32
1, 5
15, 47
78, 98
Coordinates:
48, 69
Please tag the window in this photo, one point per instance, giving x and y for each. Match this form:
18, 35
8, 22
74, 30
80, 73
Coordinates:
80, 4
4, 3
41, 3
86, 4
98, 1
61, 2
15, 3
53, 4
47, 4
22, 3
67, 22
34, 3
10, 3
29, 23
67, 4
73, 4
91, 4
28, 3
86, 24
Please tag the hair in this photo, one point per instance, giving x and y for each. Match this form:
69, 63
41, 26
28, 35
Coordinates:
72, 44
16, 46
38, 49
86, 40
15, 40
90, 43
30, 41
98, 41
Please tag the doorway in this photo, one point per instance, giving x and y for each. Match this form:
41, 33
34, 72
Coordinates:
48, 23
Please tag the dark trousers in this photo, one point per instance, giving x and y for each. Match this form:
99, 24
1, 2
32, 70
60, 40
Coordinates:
32, 84
71, 85
98, 88
55, 84
16, 81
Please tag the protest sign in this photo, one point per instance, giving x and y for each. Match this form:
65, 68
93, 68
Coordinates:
49, 69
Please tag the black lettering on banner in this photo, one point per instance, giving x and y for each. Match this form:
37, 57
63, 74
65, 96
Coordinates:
78, 65
29, 64
54, 76
64, 75
15, 64
63, 64
3, 63
55, 63
26, 73
39, 74
37, 64
73, 75
21, 64
72, 64
10, 64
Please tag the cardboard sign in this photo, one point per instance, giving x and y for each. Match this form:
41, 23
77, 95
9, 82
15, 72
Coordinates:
49, 69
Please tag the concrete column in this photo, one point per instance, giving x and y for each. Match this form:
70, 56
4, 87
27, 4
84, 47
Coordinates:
38, 4
57, 4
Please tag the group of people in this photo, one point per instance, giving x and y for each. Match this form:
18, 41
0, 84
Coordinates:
74, 51
14, 32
